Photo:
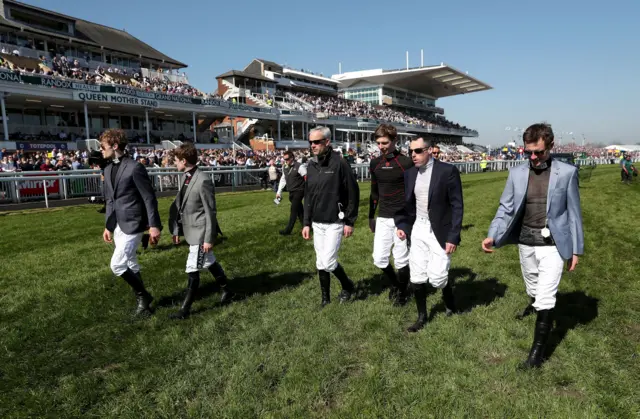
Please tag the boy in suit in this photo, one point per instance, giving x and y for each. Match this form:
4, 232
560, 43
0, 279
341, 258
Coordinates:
432, 220
193, 214
540, 211
131, 208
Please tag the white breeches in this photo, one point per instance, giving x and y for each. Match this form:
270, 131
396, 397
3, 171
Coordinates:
427, 259
384, 240
541, 269
125, 256
198, 259
326, 241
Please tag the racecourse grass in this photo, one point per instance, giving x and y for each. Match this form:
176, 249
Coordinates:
68, 346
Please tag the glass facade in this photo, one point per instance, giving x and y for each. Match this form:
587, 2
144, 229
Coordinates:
401, 96
369, 94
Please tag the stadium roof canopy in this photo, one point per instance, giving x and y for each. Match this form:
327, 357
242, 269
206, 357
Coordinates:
87, 33
435, 81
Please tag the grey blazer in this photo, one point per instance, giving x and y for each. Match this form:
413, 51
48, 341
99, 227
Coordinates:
197, 211
131, 200
564, 215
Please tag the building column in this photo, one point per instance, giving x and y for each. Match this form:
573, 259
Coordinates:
5, 125
195, 135
279, 132
146, 118
86, 122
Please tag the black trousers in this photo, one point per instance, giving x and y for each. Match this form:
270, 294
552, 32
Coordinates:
297, 211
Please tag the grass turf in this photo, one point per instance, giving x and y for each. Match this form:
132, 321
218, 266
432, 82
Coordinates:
68, 346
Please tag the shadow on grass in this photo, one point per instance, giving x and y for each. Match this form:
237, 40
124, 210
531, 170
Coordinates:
243, 287
572, 309
470, 293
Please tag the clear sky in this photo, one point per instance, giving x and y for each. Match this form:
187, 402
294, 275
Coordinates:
571, 63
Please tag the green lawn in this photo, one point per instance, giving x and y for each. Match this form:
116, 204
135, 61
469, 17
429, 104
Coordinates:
68, 346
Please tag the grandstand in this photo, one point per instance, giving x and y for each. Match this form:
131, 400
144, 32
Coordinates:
63, 80
352, 103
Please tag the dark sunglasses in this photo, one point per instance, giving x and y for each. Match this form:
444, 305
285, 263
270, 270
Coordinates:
435, 153
418, 150
316, 142
538, 153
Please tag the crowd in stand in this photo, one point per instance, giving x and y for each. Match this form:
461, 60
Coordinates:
334, 105
60, 160
61, 67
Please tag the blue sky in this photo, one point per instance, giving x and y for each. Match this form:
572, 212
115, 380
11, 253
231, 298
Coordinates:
570, 63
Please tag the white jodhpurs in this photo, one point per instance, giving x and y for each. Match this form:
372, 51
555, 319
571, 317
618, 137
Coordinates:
384, 240
541, 269
124, 256
326, 241
198, 259
427, 259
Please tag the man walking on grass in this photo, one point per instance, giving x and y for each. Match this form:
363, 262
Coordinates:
293, 174
331, 202
387, 196
131, 208
432, 221
540, 211
193, 214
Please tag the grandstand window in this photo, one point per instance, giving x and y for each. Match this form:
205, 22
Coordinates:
33, 117
96, 123
114, 122
96, 56
15, 116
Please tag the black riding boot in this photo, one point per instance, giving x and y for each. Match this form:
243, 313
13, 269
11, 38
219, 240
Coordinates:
347, 285
192, 289
144, 299
325, 286
390, 273
527, 310
221, 279
544, 323
449, 300
402, 297
420, 292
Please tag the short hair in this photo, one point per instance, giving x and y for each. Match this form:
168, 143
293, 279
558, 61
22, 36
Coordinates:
386, 130
427, 141
288, 153
186, 151
537, 132
325, 131
115, 136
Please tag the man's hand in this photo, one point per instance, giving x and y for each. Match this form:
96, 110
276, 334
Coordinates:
487, 245
306, 232
401, 234
207, 247
571, 264
154, 235
450, 248
348, 231
176, 240
372, 225
106, 236
278, 196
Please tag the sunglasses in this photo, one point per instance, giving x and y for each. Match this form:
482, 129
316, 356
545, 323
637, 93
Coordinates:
418, 150
538, 153
316, 142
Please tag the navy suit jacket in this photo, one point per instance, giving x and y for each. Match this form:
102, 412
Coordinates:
445, 203
131, 201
